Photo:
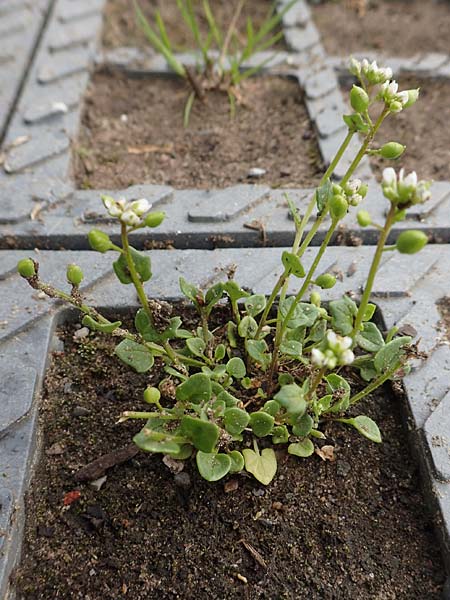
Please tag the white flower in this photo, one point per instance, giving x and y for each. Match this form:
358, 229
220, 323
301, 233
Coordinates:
403, 97
139, 207
336, 352
347, 357
410, 180
354, 66
389, 177
355, 199
317, 357
130, 218
353, 185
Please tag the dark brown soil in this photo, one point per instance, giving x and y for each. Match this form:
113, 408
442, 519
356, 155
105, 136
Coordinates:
350, 529
423, 129
121, 28
444, 307
272, 132
394, 27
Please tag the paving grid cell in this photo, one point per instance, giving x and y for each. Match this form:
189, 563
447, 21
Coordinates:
39, 205
404, 297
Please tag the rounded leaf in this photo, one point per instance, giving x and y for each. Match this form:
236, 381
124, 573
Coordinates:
212, 466
302, 449
235, 420
237, 461
261, 423
236, 367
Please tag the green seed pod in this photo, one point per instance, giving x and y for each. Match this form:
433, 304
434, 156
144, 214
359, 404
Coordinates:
392, 150
336, 189
363, 188
26, 268
410, 242
338, 207
99, 241
74, 274
359, 99
395, 106
152, 395
154, 219
326, 281
364, 218
315, 299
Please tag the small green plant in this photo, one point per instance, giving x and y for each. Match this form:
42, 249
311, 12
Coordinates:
222, 54
279, 368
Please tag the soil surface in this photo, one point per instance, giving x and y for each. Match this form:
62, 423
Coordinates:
354, 528
394, 27
121, 28
423, 129
133, 133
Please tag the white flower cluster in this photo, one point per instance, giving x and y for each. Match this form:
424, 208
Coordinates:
401, 190
371, 71
353, 189
337, 352
396, 100
129, 213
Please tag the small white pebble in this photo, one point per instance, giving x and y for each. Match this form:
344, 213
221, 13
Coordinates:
256, 172
81, 333
124, 118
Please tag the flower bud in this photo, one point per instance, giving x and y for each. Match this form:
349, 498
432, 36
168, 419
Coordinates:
395, 106
338, 207
364, 218
354, 67
26, 268
152, 395
315, 299
359, 99
336, 189
99, 241
326, 281
410, 242
140, 207
130, 218
363, 189
154, 219
392, 150
74, 274
413, 95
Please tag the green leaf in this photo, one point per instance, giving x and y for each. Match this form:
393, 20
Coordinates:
323, 405
285, 379
323, 195
184, 453
292, 264
234, 291
303, 426
214, 294
302, 449
261, 423
142, 264
247, 327
219, 408
235, 420
370, 338
212, 466
204, 435
237, 461
103, 327
366, 427
271, 407
135, 355
366, 369
229, 400
191, 292
150, 441
389, 355
220, 351
369, 312
262, 466
257, 350
304, 314
291, 348
355, 122
340, 389
196, 346
343, 312
280, 434
151, 334
291, 398
236, 367
196, 389
255, 304
318, 331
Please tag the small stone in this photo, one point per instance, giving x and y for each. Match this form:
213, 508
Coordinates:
259, 492
55, 450
182, 480
176, 466
277, 505
124, 118
98, 483
80, 411
343, 468
231, 486
81, 333
256, 172
68, 387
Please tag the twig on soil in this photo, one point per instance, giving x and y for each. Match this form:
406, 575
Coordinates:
97, 468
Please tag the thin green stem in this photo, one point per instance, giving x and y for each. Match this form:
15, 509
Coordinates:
132, 414
373, 270
133, 273
374, 384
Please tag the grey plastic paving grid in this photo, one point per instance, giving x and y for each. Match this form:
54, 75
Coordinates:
39, 207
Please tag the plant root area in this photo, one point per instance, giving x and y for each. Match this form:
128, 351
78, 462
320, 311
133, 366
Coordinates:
122, 29
132, 132
423, 129
394, 27
352, 528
